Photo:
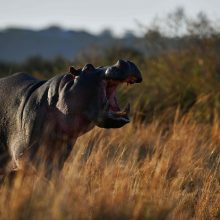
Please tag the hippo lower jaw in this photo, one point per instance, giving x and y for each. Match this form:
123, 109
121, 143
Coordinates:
110, 121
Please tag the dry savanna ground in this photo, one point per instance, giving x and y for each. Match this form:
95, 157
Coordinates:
136, 172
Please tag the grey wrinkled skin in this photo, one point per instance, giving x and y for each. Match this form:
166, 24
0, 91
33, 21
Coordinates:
41, 120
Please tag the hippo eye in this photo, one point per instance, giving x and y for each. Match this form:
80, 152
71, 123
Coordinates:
88, 68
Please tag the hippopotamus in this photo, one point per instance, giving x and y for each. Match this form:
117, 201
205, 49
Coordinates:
40, 120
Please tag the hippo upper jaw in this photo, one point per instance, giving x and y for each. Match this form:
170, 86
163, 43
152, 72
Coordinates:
123, 71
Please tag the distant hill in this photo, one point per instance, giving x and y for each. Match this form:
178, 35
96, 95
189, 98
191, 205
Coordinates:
16, 44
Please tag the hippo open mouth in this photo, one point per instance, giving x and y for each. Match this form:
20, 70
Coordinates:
111, 107
122, 72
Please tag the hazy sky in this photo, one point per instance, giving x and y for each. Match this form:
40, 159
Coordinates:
94, 15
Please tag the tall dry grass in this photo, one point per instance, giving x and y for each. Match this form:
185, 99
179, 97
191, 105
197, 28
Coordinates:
136, 172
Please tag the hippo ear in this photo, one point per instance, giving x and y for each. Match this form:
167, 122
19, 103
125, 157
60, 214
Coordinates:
88, 68
74, 71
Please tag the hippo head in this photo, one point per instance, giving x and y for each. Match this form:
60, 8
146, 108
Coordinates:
93, 93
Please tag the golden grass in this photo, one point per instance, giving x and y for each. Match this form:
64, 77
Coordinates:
136, 172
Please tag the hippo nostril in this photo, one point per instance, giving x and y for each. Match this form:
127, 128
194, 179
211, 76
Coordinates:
121, 63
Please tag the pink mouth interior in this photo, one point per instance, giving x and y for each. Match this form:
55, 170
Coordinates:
111, 96
110, 100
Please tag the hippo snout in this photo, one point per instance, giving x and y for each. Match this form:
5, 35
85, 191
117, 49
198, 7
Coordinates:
124, 71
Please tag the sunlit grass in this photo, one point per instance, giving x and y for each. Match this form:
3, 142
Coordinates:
136, 172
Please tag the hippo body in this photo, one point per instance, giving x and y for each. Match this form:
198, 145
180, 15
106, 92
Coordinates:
40, 120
